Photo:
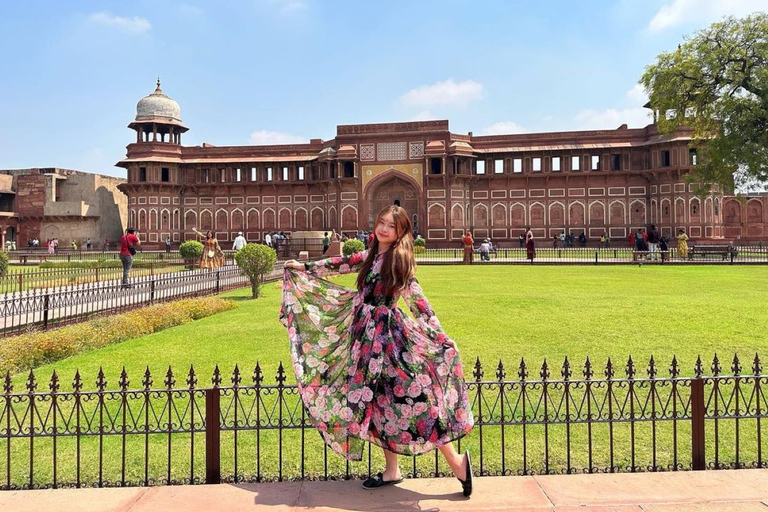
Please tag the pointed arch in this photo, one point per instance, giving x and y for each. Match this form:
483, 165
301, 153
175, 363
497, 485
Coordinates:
268, 219
436, 215
457, 215
576, 211
237, 219
637, 213
253, 218
480, 215
665, 211
617, 210
499, 215
318, 217
556, 212
596, 213
206, 220
165, 220
222, 220
517, 215
679, 211
333, 218
349, 217
300, 218
190, 220
537, 214
284, 218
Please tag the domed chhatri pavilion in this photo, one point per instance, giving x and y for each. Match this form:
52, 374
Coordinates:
612, 181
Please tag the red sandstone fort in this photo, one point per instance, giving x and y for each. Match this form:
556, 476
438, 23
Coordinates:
611, 181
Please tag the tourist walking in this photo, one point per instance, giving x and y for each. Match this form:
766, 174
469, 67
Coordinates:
167, 245
326, 242
128, 243
367, 372
682, 244
653, 241
212, 257
239, 241
469, 247
530, 247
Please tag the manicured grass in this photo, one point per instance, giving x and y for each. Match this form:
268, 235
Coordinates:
499, 313
494, 313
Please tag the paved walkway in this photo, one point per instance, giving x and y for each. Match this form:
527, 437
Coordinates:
723, 491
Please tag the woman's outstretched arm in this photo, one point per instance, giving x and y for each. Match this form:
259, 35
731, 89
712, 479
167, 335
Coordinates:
340, 264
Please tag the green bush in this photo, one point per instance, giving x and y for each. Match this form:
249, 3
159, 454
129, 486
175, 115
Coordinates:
419, 242
33, 349
255, 260
191, 250
352, 246
3, 264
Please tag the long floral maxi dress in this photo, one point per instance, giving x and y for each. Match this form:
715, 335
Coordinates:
365, 370
213, 256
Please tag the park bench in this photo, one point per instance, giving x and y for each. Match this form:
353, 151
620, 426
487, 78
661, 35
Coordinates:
704, 250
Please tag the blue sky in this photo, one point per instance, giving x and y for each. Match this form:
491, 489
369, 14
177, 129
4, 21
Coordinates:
274, 71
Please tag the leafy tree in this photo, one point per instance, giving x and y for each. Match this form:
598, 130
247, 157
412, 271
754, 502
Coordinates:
716, 83
191, 251
255, 260
352, 246
3, 264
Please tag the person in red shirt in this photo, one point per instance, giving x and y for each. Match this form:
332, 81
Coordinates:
469, 248
128, 243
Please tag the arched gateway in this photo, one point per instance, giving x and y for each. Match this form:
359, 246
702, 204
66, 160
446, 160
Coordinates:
389, 188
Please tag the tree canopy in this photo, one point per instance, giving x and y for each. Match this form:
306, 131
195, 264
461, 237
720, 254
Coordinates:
716, 83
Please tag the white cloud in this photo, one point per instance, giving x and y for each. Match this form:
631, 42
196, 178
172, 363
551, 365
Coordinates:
444, 93
135, 25
286, 6
266, 137
610, 119
637, 96
503, 128
681, 11
423, 115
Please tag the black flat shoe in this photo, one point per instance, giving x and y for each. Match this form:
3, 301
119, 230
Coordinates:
466, 484
377, 480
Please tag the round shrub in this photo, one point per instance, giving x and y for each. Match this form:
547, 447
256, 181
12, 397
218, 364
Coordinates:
255, 260
352, 246
3, 263
419, 242
191, 250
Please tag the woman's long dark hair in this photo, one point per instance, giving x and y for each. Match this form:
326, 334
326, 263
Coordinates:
399, 265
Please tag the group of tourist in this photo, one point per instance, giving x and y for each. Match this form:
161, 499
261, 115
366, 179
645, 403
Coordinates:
656, 245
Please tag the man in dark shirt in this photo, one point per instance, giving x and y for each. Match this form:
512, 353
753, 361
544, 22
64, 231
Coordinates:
653, 241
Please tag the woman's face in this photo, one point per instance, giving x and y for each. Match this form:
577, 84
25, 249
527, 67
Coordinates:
386, 230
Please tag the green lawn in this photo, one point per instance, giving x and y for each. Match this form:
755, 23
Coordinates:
494, 313
498, 313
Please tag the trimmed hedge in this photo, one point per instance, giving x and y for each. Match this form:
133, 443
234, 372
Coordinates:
33, 349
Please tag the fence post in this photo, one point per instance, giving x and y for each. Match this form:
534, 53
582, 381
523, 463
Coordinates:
218, 282
212, 436
698, 410
152, 290
21, 281
46, 299
595, 257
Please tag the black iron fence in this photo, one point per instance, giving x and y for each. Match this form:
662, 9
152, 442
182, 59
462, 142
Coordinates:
48, 308
169, 434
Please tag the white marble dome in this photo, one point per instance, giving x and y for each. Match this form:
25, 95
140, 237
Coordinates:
158, 105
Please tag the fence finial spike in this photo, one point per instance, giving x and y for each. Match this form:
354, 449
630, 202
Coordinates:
736, 365
147, 382
101, 380
698, 368
236, 378
651, 368
31, 382
54, 384
566, 371
478, 371
674, 369
500, 373
169, 380
257, 377
216, 379
280, 375
191, 377
716, 368
123, 382
587, 372
757, 368
522, 370
77, 384
544, 372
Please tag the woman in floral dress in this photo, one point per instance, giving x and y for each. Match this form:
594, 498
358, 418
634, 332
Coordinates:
212, 257
366, 372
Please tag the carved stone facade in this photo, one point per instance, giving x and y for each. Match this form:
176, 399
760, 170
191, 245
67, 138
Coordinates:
612, 181
60, 203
